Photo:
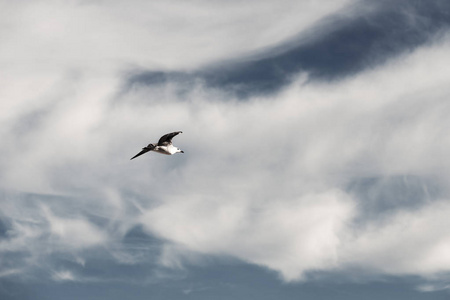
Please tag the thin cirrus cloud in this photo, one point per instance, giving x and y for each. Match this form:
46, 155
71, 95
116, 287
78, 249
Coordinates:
279, 180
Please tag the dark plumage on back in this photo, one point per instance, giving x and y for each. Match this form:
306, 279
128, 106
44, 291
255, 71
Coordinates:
167, 138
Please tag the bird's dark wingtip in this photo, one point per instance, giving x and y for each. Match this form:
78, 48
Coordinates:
144, 150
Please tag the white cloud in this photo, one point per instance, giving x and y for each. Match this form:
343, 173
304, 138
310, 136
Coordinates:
151, 34
74, 233
252, 198
290, 235
262, 180
412, 242
60, 63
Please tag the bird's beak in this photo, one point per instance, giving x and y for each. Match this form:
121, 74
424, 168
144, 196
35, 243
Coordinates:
182, 151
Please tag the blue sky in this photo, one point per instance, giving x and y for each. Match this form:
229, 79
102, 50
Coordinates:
315, 139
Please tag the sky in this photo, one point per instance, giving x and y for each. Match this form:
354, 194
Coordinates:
315, 143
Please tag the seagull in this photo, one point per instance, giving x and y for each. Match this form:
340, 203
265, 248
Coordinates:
164, 145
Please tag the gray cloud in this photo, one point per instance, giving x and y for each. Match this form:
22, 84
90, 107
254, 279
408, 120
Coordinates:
361, 36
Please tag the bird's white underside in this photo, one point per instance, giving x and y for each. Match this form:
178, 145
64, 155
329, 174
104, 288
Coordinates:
167, 150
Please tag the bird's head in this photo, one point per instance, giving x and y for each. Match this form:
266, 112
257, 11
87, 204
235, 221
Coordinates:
179, 150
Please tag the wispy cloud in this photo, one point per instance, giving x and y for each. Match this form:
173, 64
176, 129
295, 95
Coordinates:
269, 180
433, 287
150, 34
63, 276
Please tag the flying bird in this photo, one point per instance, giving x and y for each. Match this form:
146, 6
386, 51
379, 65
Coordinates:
164, 146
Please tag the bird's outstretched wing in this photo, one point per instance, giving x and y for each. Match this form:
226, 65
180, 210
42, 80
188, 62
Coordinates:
150, 147
167, 138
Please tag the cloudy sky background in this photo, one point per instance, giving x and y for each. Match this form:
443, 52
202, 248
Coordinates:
315, 136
